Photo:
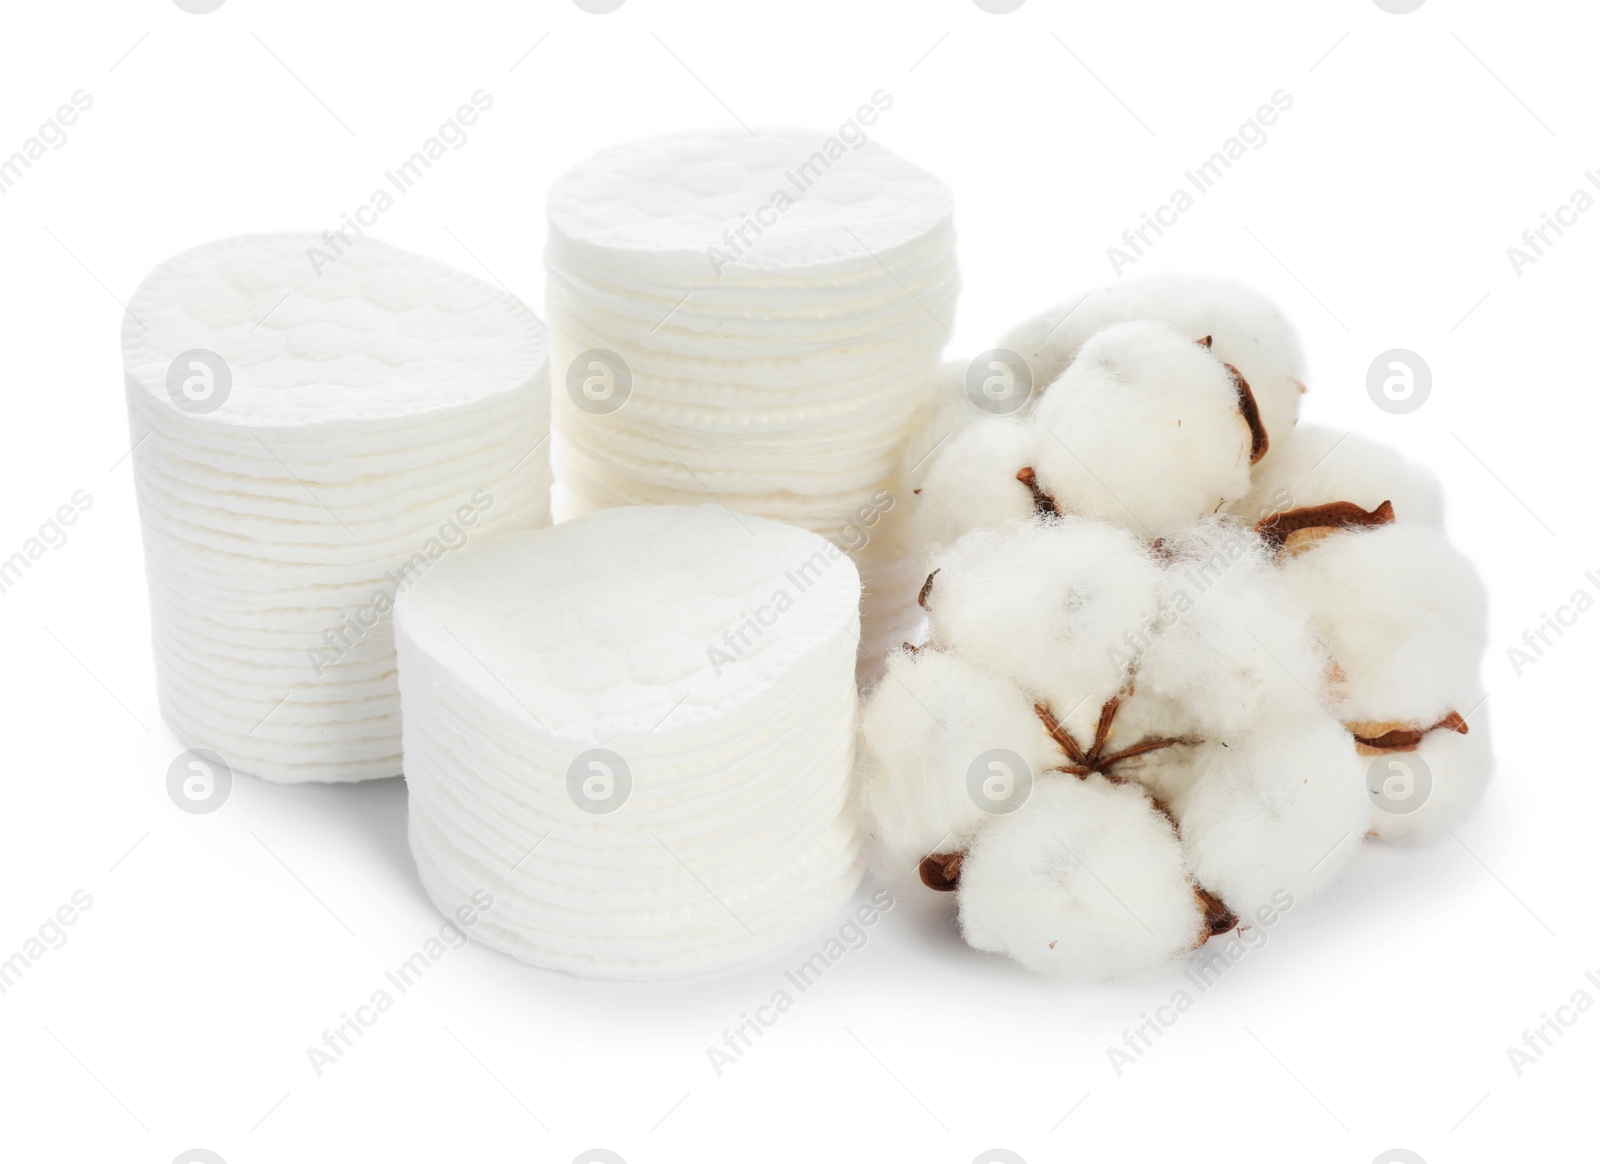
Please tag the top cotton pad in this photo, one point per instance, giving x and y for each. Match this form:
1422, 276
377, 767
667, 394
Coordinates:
309, 438
634, 732
750, 318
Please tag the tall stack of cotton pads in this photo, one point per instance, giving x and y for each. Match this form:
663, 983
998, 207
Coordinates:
634, 732
750, 318
314, 431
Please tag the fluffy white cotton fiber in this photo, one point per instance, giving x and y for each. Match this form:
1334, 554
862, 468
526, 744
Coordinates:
1086, 881
1243, 648
1144, 429
1246, 330
927, 724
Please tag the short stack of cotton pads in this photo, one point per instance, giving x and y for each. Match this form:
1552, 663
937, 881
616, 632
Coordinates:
314, 429
634, 732
753, 318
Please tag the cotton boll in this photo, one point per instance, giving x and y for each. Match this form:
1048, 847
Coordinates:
1403, 614
1275, 814
924, 728
972, 482
1087, 880
1317, 465
1231, 645
947, 411
1419, 796
1246, 330
1046, 602
1144, 430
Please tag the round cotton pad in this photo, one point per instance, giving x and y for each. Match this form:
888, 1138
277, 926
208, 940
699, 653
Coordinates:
634, 732
313, 433
753, 319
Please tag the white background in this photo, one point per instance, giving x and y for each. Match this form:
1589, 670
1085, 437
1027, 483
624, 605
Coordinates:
178, 1012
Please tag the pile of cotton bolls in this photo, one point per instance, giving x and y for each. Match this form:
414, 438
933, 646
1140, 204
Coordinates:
1182, 655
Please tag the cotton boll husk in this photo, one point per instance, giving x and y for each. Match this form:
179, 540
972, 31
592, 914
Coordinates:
1277, 812
972, 482
1087, 880
1403, 614
1246, 330
1143, 430
1044, 602
922, 728
1317, 465
1232, 644
1458, 767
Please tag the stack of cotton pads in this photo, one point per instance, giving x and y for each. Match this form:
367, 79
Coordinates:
753, 318
634, 732
313, 432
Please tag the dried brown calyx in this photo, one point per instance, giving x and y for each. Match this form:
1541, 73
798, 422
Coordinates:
1378, 739
1043, 504
1294, 530
1097, 757
927, 589
1219, 918
1247, 406
941, 871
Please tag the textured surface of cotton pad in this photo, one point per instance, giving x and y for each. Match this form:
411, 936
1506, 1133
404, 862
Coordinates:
1315, 465
1086, 880
1246, 330
1144, 429
636, 731
672, 197
309, 438
768, 310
